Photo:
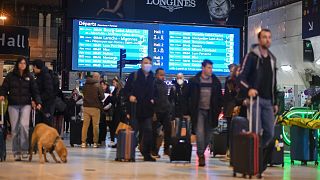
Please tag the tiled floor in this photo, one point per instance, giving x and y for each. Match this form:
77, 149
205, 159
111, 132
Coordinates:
99, 163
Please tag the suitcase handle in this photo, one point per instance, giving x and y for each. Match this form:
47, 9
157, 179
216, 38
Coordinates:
2, 113
133, 107
251, 114
33, 116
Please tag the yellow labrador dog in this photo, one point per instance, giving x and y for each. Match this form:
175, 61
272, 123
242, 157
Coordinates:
48, 140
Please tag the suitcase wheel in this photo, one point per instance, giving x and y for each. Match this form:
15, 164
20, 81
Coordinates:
316, 163
259, 176
303, 163
292, 162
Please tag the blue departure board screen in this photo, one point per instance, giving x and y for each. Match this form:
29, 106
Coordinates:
176, 48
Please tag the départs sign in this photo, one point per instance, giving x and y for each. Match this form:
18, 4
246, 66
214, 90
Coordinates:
14, 41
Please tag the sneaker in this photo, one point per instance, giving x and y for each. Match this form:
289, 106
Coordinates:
155, 155
83, 145
95, 145
17, 157
114, 146
202, 161
25, 156
111, 144
149, 159
166, 152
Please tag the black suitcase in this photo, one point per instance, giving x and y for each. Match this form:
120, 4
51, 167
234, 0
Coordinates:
238, 125
76, 124
3, 152
218, 141
304, 145
181, 148
247, 159
277, 148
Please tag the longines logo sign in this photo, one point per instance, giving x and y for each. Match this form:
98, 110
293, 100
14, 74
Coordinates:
172, 5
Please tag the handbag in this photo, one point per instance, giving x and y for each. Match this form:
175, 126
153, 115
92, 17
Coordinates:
123, 126
59, 104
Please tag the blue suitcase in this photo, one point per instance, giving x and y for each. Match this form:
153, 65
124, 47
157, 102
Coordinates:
126, 146
304, 145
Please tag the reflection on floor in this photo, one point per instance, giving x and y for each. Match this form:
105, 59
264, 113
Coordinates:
99, 163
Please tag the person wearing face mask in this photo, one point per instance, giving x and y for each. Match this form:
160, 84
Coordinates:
139, 89
205, 103
162, 112
178, 96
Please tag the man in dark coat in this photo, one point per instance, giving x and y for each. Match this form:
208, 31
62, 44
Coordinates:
205, 102
139, 89
45, 85
162, 111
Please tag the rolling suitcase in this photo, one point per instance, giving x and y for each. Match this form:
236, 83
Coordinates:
127, 141
3, 153
238, 125
218, 142
181, 147
247, 160
304, 145
76, 124
277, 148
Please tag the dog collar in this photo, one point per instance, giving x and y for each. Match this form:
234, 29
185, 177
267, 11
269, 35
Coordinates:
54, 143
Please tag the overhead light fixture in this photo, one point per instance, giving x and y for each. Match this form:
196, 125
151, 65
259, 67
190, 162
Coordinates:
3, 17
286, 67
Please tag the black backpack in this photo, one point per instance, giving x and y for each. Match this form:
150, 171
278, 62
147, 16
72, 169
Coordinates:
56, 82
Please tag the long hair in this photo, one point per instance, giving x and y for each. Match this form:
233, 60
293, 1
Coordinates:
119, 84
16, 66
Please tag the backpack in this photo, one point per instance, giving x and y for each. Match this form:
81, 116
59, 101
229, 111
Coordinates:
56, 82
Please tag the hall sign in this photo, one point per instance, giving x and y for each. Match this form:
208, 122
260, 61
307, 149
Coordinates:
14, 41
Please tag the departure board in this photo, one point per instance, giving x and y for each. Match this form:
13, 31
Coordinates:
176, 48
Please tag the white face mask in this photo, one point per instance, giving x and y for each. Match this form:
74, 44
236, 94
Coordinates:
147, 67
180, 81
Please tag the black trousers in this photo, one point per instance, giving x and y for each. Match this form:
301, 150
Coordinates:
102, 128
163, 119
143, 126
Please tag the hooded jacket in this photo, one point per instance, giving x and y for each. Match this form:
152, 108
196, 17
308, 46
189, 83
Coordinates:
250, 74
93, 94
20, 90
45, 85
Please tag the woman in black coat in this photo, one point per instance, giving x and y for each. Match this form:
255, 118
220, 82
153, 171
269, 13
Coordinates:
21, 90
119, 105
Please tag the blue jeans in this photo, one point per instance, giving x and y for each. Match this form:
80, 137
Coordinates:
203, 131
266, 120
20, 119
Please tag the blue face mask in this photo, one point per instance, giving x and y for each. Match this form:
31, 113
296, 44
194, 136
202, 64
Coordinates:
147, 67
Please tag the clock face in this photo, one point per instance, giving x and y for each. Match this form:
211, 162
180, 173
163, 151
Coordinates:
219, 9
